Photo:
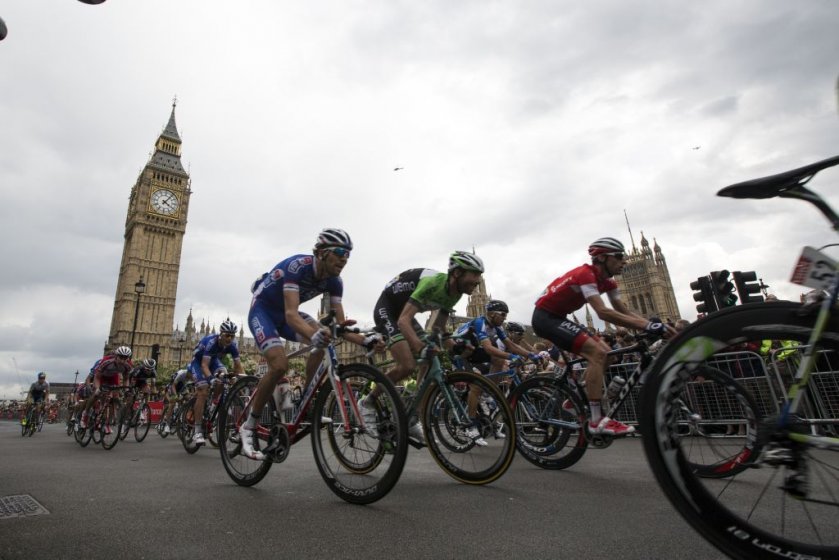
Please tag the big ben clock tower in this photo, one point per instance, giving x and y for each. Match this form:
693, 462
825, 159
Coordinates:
154, 232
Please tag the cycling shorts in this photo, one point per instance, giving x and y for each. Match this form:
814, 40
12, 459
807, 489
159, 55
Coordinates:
84, 391
216, 367
108, 379
386, 316
560, 330
38, 397
269, 328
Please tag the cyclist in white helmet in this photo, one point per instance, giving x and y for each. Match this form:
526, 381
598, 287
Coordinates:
569, 293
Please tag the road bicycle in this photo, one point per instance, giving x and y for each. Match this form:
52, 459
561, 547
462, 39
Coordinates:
137, 417
552, 415
103, 419
786, 505
449, 405
357, 465
34, 421
185, 423
175, 417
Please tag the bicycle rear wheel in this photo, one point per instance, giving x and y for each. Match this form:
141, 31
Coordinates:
244, 471
550, 423
786, 504
359, 467
452, 448
143, 423
125, 425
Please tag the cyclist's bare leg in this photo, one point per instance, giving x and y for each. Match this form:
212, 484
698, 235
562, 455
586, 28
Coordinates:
312, 363
201, 392
594, 351
277, 368
404, 366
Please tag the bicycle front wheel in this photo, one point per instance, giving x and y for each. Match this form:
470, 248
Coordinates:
709, 407
550, 423
143, 423
109, 429
244, 471
187, 427
359, 465
451, 428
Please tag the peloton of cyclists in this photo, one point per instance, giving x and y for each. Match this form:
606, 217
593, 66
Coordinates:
109, 371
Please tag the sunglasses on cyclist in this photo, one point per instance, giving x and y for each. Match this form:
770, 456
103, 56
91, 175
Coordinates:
340, 251
618, 256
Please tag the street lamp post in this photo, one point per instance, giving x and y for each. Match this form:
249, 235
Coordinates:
139, 288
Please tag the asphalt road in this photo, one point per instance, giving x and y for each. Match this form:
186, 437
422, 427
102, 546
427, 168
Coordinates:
152, 500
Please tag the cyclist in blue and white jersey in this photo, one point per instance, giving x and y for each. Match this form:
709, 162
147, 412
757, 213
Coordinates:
275, 316
489, 348
39, 393
206, 366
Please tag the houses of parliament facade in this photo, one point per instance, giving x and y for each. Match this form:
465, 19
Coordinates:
144, 303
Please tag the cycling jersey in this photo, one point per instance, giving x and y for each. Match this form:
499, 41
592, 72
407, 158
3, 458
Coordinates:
110, 369
39, 390
425, 288
266, 318
211, 347
140, 375
569, 292
482, 330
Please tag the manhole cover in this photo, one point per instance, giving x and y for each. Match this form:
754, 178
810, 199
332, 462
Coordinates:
20, 506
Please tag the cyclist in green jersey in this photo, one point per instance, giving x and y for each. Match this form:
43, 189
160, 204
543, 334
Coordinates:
415, 291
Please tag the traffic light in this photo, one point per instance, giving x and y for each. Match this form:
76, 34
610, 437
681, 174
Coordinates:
704, 294
746, 286
723, 288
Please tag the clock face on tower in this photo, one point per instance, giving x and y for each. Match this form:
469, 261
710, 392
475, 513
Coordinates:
165, 202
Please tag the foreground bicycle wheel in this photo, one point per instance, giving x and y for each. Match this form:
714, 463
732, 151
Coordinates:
109, 429
244, 471
787, 504
357, 466
550, 420
186, 427
143, 423
456, 453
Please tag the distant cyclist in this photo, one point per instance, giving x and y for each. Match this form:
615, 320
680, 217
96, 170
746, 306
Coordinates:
38, 395
143, 378
415, 291
569, 293
83, 392
110, 370
515, 332
275, 316
206, 366
175, 391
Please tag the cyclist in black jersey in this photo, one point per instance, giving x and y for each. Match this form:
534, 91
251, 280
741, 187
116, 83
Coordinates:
415, 291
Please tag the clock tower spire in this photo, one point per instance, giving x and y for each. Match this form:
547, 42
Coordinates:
154, 229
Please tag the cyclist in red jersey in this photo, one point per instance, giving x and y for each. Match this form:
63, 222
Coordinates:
108, 372
569, 293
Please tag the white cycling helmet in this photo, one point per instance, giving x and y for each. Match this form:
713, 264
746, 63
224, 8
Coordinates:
334, 237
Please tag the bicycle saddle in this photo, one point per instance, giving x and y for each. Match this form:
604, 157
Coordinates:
776, 185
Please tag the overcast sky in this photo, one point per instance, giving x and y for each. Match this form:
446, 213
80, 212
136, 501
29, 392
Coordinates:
524, 129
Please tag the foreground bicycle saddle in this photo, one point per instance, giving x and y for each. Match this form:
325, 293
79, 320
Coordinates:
789, 184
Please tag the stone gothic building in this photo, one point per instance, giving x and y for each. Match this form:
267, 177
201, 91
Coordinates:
645, 284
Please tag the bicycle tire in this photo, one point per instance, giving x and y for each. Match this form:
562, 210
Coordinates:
542, 443
114, 423
27, 421
83, 435
41, 419
358, 467
143, 423
747, 514
187, 427
125, 425
243, 471
463, 460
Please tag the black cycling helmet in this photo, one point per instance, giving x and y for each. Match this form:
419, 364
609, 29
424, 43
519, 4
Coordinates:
42, 375
514, 327
497, 306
